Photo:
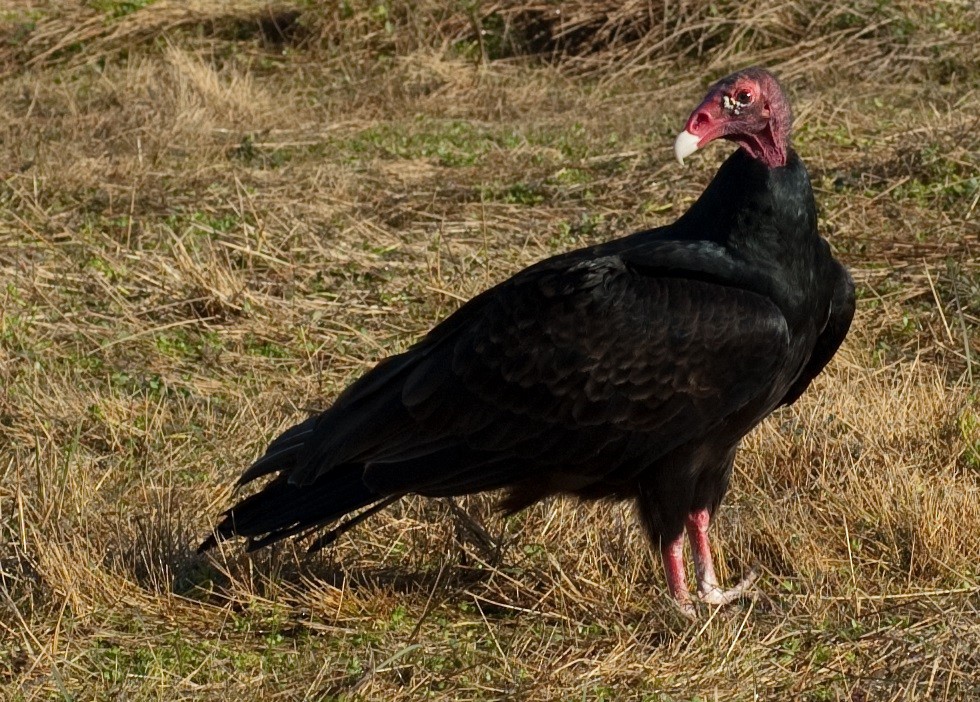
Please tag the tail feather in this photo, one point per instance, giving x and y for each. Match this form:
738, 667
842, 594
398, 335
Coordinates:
283, 453
282, 509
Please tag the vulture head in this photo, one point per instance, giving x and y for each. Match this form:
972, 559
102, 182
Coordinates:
747, 107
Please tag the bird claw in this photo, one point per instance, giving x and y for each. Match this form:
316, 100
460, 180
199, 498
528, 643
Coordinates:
686, 609
718, 597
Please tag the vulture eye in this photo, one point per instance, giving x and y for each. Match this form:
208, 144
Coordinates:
743, 97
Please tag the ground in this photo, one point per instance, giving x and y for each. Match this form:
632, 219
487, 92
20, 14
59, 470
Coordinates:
215, 215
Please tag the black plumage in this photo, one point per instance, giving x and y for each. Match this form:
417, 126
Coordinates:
630, 369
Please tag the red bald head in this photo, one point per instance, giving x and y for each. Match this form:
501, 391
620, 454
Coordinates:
747, 107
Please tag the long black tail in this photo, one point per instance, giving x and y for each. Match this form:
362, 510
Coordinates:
281, 509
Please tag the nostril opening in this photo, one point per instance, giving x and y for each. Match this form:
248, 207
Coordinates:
700, 120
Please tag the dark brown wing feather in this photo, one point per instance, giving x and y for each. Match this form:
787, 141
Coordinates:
831, 337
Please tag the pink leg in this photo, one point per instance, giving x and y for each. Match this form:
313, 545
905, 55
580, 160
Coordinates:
672, 554
709, 591
697, 531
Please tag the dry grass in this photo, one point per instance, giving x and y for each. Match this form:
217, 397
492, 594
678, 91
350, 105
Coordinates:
214, 215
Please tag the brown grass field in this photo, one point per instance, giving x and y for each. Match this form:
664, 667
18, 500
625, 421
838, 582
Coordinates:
215, 214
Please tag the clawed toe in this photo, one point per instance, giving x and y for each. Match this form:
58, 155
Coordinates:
718, 597
687, 609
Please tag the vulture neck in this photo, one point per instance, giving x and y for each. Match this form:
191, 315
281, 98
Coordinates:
749, 204
765, 217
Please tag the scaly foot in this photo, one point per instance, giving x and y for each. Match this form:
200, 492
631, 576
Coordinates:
718, 597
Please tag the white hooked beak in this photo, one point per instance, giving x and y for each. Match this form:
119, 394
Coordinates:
684, 145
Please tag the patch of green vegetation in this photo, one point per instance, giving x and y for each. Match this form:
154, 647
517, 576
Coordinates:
495, 41
573, 141
173, 344
592, 629
188, 344
400, 617
968, 424
81, 358
200, 223
852, 630
601, 693
515, 194
12, 15
572, 176
452, 143
924, 177
821, 653
789, 649
264, 347
894, 21
111, 273
20, 23
14, 329
934, 179
838, 135
149, 384
571, 233
931, 193
119, 8
177, 657
823, 693
251, 154
217, 222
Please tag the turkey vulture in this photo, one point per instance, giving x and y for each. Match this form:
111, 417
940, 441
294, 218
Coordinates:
627, 370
